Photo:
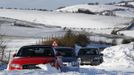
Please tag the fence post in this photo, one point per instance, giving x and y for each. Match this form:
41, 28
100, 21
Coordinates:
9, 55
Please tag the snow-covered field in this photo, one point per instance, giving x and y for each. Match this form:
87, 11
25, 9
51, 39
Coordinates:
91, 23
93, 8
64, 19
128, 3
116, 10
47, 4
127, 33
33, 32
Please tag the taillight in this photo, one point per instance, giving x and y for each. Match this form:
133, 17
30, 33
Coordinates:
15, 66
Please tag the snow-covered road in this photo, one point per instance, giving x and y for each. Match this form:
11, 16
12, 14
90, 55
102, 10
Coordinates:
83, 71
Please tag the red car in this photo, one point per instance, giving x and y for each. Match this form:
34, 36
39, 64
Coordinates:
30, 56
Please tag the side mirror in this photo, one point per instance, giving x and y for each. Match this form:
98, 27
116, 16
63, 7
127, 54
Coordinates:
14, 55
101, 54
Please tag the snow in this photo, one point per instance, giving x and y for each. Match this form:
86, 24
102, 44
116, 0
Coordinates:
49, 68
84, 71
18, 36
129, 3
125, 14
36, 72
30, 32
16, 43
93, 8
119, 56
65, 19
46, 4
127, 33
117, 10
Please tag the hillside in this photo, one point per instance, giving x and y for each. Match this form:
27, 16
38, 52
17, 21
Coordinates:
46, 4
111, 10
127, 33
122, 9
126, 4
70, 20
19, 28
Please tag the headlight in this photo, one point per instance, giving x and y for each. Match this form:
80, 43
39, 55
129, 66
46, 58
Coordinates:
17, 66
74, 63
96, 58
79, 60
66, 63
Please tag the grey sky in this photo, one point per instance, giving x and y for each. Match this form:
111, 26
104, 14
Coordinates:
46, 4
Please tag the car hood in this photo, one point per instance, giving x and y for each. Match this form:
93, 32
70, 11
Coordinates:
68, 59
32, 60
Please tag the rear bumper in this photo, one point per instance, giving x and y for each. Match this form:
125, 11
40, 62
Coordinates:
70, 68
91, 62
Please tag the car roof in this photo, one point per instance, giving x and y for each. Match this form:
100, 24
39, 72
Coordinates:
98, 45
63, 47
89, 48
37, 46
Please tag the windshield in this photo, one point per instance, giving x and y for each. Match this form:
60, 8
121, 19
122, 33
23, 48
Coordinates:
66, 52
88, 51
35, 51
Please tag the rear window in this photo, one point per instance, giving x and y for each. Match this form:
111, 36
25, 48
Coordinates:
35, 51
66, 52
87, 51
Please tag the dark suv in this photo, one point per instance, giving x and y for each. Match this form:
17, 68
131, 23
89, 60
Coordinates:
30, 56
90, 56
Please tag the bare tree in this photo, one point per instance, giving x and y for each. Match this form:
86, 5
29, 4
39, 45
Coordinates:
2, 46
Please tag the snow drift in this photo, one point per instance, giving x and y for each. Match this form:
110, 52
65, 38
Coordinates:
48, 68
119, 57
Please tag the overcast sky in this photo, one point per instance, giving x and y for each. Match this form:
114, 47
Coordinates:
46, 4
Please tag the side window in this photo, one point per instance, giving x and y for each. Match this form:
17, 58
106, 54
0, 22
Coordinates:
49, 52
40, 50
87, 51
81, 52
66, 52
91, 52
